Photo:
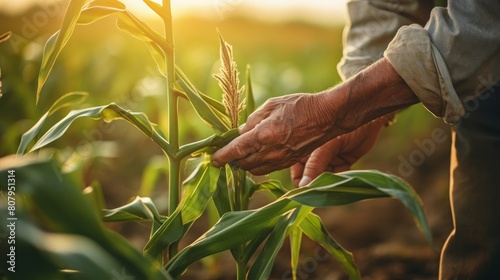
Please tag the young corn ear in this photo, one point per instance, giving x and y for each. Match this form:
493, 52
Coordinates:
229, 83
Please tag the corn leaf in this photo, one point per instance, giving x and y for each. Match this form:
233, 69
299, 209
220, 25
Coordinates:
209, 144
140, 209
93, 193
156, 166
128, 23
56, 42
204, 110
157, 8
221, 196
66, 100
249, 98
336, 189
236, 228
316, 231
215, 104
109, 113
261, 268
295, 243
197, 191
79, 13
233, 229
99, 9
43, 186
70, 251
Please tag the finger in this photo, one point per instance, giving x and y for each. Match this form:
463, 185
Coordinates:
237, 149
296, 172
262, 162
318, 161
341, 168
266, 168
259, 115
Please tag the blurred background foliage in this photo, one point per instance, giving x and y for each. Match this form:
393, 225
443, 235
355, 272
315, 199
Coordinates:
285, 57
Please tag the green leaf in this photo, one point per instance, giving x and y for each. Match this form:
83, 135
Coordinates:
56, 42
274, 186
397, 188
77, 13
157, 8
261, 269
99, 9
204, 110
237, 228
128, 23
140, 209
295, 244
216, 105
158, 56
156, 166
250, 100
265, 261
209, 144
197, 191
337, 189
68, 99
109, 113
233, 229
71, 251
221, 195
94, 194
169, 232
316, 231
47, 192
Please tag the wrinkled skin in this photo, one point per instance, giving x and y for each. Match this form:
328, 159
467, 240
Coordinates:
289, 128
338, 154
280, 133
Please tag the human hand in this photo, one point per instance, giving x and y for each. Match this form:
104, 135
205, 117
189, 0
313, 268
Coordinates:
288, 128
281, 132
338, 154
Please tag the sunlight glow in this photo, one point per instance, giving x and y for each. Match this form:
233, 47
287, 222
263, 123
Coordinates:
324, 12
317, 11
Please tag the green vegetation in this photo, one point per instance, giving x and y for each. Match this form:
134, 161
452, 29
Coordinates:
60, 200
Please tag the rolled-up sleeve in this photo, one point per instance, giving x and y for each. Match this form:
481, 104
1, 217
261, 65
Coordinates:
456, 56
371, 25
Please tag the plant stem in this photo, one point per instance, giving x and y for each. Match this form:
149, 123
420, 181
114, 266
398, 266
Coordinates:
241, 270
173, 122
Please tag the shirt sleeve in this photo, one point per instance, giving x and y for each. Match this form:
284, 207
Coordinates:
371, 25
451, 60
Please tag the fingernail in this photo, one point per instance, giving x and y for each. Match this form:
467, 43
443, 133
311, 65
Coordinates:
215, 163
304, 181
241, 127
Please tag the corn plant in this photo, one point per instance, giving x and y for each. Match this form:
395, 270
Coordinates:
253, 236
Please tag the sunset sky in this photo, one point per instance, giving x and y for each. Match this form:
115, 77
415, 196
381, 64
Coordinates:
317, 11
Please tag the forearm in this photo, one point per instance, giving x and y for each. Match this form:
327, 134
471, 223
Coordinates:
372, 93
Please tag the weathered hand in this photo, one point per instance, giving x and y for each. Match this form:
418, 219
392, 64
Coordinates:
281, 132
338, 154
288, 128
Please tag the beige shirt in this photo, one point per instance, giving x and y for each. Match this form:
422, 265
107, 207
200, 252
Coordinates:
447, 56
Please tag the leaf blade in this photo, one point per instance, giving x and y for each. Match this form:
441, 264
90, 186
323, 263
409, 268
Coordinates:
56, 42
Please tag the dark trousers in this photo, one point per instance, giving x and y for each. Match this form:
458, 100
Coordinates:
472, 250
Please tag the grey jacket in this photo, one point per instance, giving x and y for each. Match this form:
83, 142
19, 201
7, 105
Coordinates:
446, 55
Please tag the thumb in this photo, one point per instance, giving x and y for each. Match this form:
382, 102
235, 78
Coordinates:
318, 162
